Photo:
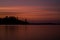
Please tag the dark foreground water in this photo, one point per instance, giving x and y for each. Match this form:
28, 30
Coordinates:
29, 32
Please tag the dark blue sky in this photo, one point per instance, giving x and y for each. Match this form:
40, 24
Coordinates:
29, 2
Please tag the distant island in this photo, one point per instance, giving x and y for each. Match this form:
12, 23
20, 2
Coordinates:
11, 20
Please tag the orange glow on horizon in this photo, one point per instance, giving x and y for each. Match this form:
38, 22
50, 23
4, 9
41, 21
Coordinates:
29, 12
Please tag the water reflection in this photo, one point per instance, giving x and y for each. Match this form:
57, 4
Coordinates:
29, 32
10, 32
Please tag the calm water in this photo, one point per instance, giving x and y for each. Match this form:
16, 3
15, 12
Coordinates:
29, 32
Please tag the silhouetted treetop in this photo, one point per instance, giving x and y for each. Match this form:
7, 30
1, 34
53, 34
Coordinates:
12, 20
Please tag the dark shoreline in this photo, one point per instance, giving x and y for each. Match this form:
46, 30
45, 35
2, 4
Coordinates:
11, 20
32, 24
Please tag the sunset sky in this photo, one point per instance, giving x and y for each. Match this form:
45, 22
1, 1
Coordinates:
32, 10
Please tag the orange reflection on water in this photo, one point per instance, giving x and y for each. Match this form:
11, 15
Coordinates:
29, 32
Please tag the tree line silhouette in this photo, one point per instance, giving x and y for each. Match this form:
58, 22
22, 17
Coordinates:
12, 20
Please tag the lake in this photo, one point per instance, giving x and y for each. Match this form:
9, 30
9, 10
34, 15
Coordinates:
29, 32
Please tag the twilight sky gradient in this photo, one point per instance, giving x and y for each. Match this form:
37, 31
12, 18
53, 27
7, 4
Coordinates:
33, 10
